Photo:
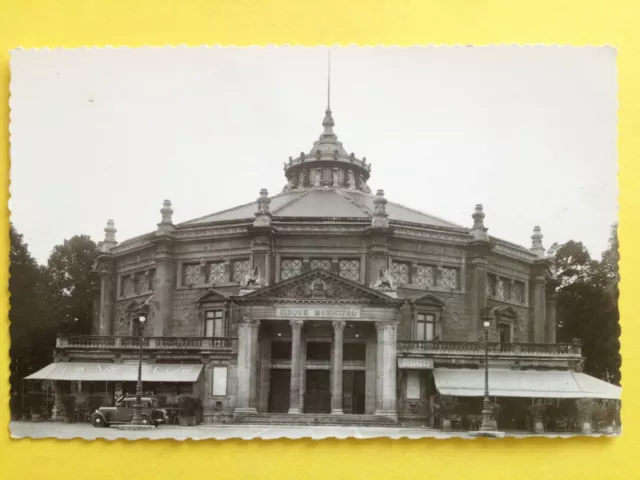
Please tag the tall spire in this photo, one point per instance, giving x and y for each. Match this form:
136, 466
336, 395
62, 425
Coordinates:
329, 82
328, 123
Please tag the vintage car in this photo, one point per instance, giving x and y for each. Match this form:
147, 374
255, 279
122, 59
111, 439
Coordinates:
123, 412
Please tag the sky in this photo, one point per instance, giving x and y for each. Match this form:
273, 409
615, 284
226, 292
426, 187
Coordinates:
529, 132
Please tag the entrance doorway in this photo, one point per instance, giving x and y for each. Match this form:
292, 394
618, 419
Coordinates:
317, 397
354, 392
279, 391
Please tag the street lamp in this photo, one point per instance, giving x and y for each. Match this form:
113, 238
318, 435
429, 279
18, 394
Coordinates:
487, 424
137, 406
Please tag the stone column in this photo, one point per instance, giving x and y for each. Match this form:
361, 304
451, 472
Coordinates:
164, 286
539, 308
254, 378
107, 298
336, 367
265, 374
379, 367
552, 296
386, 369
477, 286
244, 368
389, 399
370, 379
56, 412
296, 374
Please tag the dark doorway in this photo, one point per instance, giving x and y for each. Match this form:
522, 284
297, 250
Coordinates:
353, 392
279, 391
317, 398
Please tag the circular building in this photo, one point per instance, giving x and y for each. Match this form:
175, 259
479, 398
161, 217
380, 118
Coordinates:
325, 303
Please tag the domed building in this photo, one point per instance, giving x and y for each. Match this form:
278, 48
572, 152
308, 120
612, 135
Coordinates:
326, 304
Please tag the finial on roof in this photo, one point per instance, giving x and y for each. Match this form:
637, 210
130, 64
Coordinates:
380, 217
166, 212
109, 236
536, 242
328, 122
479, 231
263, 215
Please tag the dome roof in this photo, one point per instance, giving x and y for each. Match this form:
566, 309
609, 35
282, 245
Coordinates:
324, 202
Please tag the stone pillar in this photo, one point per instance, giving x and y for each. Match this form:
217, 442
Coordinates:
107, 296
539, 303
370, 377
296, 374
336, 367
379, 367
254, 378
57, 411
265, 374
477, 285
552, 296
244, 368
303, 368
306, 264
164, 286
390, 370
386, 371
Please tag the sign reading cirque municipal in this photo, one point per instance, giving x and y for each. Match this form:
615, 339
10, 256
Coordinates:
317, 312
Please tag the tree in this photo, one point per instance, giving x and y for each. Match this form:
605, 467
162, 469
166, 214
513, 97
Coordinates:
32, 335
588, 305
71, 284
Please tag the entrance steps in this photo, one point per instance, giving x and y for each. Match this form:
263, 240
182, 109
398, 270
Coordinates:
314, 419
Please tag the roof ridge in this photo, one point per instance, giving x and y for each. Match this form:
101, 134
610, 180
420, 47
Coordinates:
411, 209
228, 210
304, 193
346, 195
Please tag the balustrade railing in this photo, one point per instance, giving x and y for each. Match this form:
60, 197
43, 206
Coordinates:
164, 343
439, 346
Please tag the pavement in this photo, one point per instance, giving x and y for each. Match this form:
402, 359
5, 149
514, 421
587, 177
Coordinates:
225, 432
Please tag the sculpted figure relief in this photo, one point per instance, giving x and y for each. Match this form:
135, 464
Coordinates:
385, 281
253, 279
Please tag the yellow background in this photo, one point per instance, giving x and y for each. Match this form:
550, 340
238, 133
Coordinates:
75, 23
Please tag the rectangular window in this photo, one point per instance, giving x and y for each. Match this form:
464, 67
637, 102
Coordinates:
400, 272
213, 324
322, 263
505, 333
219, 388
239, 268
491, 285
349, 269
426, 326
152, 280
449, 278
290, 267
280, 350
190, 274
319, 351
518, 291
413, 385
215, 272
426, 275
127, 286
353, 352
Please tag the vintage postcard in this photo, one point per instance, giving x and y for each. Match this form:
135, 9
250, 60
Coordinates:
314, 242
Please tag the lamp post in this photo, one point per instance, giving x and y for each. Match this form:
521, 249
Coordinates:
137, 406
487, 424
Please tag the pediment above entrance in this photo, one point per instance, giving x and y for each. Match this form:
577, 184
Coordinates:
318, 286
211, 295
429, 299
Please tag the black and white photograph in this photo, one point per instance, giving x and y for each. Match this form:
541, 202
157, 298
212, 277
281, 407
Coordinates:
328, 242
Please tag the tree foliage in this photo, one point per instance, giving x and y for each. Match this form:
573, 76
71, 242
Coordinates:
30, 327
588, 305
71, 284
47, 300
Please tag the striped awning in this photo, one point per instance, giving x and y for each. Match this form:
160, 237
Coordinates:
95, 372
523, 383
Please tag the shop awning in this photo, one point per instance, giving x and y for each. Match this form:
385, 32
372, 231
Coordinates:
523, 383
97, 372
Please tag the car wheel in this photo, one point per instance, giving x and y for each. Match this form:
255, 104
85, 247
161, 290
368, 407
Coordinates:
146, 420
98, 421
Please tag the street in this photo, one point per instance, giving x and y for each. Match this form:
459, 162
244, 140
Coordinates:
225, 432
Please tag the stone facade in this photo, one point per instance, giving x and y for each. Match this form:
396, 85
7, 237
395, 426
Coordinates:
417, 283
